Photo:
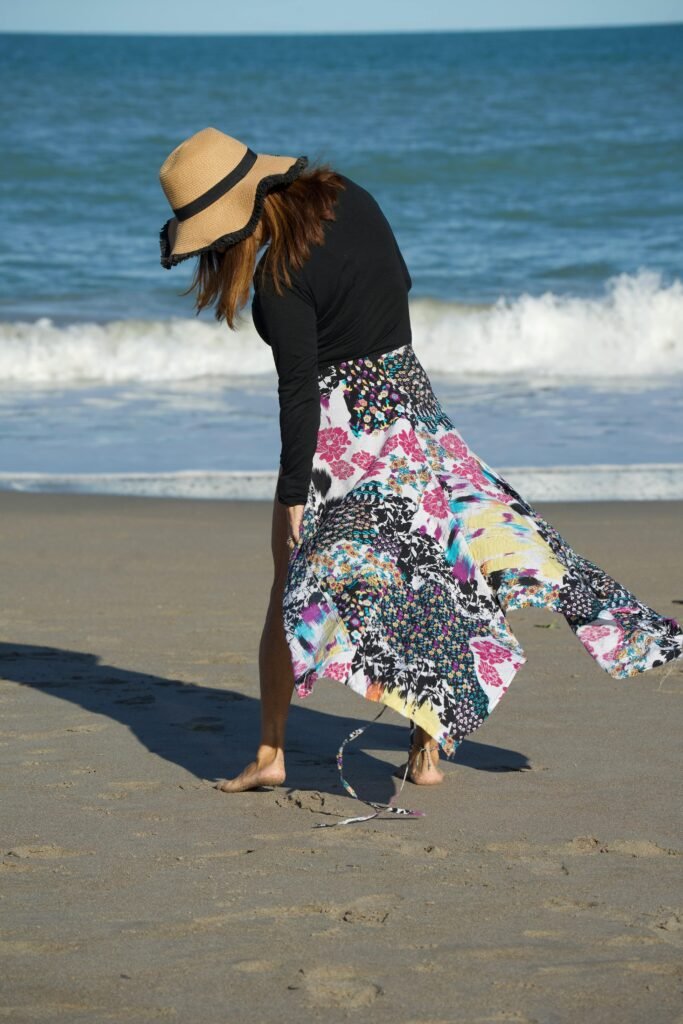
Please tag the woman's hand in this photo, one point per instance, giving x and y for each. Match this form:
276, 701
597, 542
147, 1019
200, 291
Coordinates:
295, 515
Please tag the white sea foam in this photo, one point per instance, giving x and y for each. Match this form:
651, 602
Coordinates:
635, 328
647, 481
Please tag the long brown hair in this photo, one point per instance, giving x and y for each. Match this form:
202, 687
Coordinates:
291, 221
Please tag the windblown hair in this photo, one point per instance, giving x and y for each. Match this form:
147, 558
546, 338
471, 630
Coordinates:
291, 222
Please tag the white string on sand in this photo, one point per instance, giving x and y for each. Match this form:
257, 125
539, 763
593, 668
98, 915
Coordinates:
388, 808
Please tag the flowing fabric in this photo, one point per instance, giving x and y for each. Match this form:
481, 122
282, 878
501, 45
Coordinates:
413, 549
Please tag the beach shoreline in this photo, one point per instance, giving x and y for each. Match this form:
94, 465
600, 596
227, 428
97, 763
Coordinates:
540, 884
654, 481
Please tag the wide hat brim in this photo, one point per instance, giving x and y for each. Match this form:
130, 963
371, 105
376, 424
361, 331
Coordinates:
231, 218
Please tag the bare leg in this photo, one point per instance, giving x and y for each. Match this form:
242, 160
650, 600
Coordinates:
423, 760
275, 676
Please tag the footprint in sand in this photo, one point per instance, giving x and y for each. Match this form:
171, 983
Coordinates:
137, 699
669, 927
45, 734
672, 923
133, 784
368, 910
581, 845
626, 847
122, 790
112, 681
417, 849
48, 851
254, 966
204, 723
306, 801
570, 906
337, 986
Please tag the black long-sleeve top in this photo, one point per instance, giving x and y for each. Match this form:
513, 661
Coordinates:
349, 299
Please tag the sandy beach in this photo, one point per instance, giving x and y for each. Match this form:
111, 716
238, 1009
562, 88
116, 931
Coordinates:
543, 884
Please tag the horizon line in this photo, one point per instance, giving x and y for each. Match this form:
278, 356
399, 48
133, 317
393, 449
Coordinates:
338, 32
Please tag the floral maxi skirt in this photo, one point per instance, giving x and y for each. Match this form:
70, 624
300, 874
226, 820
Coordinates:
412, 550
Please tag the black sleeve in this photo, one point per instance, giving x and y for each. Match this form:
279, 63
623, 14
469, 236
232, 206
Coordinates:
288, 322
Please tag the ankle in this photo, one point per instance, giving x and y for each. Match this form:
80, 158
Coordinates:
424, 759
267, 753
430, 747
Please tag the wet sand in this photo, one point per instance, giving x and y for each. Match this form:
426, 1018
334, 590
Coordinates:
543, 884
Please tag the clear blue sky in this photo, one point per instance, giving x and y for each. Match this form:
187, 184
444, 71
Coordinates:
228, 16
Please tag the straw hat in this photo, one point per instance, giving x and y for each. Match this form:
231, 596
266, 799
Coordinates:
216, 186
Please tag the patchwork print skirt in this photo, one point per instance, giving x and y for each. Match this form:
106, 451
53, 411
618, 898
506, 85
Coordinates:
413, 549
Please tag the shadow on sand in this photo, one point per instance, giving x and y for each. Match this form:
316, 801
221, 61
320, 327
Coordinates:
212, 733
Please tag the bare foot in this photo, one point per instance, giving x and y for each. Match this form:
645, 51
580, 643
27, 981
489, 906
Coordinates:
423, 767
267, 770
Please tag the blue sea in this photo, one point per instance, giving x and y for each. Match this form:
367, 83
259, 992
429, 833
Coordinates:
533, 181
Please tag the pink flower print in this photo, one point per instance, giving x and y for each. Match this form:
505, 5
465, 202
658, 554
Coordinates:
337, 670
505, 497
369, 462
363, 459
332, 442
615, 652
489, 674
435, 503
389, 444
492, 652
472, 470
410, 444
341, 469
590, 634
594, 632
490, 655
454, 445
375, 467
305, 688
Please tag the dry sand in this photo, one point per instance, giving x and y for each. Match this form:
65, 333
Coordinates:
543, 884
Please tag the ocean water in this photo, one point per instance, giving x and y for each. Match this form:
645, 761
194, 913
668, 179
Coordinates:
533, 181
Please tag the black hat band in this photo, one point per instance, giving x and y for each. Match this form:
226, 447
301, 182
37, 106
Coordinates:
219, 189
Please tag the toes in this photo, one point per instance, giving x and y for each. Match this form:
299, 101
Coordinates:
224, 787
232, 785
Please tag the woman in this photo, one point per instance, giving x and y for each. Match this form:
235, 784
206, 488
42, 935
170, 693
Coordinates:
396, 549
